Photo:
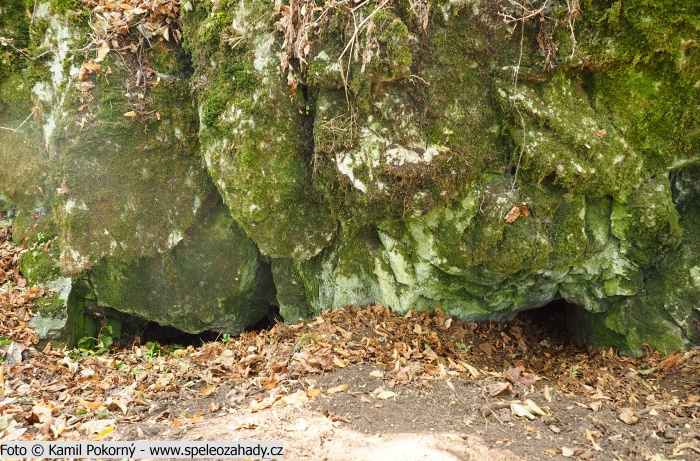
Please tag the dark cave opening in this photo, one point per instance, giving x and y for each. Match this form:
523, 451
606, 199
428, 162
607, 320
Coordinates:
551, 322
152, 332
139, 331
554, 322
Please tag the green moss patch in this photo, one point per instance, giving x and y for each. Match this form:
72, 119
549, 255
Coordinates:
212, 280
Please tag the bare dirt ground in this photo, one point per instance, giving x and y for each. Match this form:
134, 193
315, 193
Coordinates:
356, 384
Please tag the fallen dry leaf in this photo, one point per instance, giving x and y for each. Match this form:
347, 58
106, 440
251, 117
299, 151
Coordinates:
472, 370
102, 52
384, 395
547, 394
516, 212
513, 373
333, 417
313, 392
589, 437
265, 403
495, 389
671, 362
527, 380
41, 413
534, 408
83, 73
338, 388
207, 390
97, 426
84, 86
677, 451
521, 411
91, 66
629, 416
377, 374
298, 397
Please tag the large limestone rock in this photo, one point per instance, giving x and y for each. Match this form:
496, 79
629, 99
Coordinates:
428, 129
130, 199
256, 141
422, 155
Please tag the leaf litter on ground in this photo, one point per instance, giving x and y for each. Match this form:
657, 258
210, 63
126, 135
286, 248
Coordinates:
60, 394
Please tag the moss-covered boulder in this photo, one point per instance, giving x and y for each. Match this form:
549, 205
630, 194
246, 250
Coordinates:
213, 279
107, 151
666, 312
131, 185
480, 165
40, 265
255, 137
23, 156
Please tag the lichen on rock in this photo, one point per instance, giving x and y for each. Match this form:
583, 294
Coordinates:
254, 137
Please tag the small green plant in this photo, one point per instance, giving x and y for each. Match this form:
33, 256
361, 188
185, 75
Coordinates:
86, 343
171, 348
4, 341
102, 414
121, 366
97, 346
41, 238
308, 338
573, 372
153, 350
225, 338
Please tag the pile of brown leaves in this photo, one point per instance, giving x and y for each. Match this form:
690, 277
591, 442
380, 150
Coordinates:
112, 23
15, 297
152, 18
63, 394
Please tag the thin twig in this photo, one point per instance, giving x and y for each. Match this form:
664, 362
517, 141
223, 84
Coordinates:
357, 30
14, 130
571, 18
527, 14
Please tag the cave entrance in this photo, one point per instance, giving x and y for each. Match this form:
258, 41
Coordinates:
152, 332
139, 331
551, 322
